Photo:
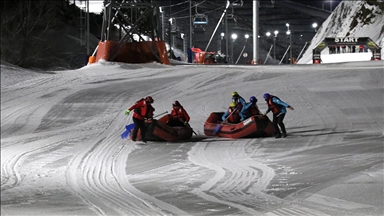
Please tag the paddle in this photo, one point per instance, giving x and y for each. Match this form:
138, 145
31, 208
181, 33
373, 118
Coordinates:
188, 125
129, 127
217, 129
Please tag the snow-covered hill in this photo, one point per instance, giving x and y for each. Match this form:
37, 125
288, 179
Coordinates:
350, 19
61, 151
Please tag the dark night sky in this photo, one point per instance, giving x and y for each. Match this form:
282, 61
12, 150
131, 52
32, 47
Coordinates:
315, 3
319, 4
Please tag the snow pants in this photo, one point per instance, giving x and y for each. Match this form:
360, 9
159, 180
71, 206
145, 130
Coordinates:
278, 122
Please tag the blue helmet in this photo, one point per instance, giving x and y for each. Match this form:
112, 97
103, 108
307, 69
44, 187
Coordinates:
253, 99
266, 95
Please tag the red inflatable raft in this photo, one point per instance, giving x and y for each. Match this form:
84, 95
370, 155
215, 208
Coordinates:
254, 126
158, 130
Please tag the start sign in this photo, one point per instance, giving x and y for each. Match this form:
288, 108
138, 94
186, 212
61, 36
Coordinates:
347, 40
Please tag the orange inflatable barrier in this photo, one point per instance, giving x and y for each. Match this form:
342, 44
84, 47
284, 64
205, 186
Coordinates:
132, 52
92, 59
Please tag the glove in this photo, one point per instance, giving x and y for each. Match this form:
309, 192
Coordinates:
291, 108
127, 112
185, 123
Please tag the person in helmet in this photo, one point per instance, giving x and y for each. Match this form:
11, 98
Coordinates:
232, 114
251, 108
178, 116
279, 109
142, 110
240, 103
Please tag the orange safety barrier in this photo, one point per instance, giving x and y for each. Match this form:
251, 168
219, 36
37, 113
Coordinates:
132, 52
92, 59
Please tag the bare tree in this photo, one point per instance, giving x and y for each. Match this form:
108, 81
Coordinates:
23, 24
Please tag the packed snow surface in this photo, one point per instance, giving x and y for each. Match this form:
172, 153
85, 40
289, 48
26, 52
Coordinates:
62, 154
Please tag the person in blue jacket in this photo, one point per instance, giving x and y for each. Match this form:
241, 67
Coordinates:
251, 108
240, 104
279, 109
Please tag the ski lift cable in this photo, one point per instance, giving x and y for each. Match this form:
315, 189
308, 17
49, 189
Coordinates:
180, 3
184, 17
195, 5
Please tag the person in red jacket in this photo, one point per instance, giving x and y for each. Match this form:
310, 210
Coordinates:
232, 115
142, 110
178, 116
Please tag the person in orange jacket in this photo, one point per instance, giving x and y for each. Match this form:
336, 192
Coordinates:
142, 110
178, 116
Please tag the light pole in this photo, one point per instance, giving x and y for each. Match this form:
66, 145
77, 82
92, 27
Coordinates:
274, 43
245, 43
184, 42
289, 33
246, 36
221, 42
314, 25
234, 37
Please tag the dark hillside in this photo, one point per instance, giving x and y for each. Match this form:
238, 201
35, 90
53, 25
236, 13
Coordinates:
45, 34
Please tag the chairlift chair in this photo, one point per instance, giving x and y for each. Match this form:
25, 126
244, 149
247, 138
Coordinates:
173, 26
200, 19
237, 3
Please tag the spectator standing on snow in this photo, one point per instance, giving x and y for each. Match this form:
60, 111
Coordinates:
240, 104
142, 110
278, 108
233, 113
178, 116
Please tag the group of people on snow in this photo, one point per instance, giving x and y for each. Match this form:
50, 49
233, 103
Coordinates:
238, 111
143, 110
